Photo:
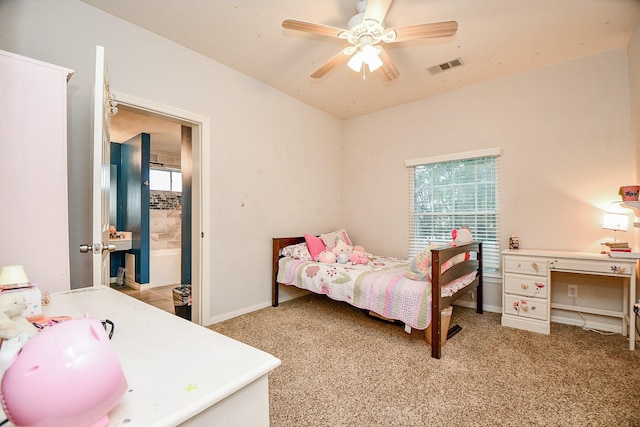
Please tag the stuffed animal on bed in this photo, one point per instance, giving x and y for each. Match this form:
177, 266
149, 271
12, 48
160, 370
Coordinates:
327, 257
359, 256
342, 251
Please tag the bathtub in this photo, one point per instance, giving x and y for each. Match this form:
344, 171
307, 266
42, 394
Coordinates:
164, 267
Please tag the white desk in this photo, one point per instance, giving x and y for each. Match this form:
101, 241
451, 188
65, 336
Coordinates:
527, 282
179, 373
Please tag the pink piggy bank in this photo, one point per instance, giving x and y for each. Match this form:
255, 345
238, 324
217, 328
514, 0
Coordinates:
66, 375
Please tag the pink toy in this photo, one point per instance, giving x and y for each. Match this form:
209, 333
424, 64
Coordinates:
358, 257
67, 375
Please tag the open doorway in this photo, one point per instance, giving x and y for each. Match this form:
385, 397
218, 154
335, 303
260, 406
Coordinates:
170, 130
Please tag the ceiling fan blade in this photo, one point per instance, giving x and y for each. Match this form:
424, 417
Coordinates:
389, 71
423, 31
310, 27
377, 10
336, 60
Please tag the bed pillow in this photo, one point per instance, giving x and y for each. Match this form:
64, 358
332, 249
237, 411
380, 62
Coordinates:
420, 267
315, 245
331, 239
299, 251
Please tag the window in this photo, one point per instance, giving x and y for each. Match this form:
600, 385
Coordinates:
449, 192
165, 180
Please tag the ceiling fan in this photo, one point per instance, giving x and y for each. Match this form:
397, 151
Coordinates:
365, 32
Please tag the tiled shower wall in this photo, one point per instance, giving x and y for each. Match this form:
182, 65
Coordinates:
166, 229
166, 206
164, 158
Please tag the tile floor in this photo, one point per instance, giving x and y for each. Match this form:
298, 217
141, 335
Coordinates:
160, 297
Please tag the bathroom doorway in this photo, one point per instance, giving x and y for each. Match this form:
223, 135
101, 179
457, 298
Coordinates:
175, 146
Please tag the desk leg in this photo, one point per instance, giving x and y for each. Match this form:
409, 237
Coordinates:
626, 317
632, 313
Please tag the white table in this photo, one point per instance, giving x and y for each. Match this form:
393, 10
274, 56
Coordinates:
526, 267
179, 373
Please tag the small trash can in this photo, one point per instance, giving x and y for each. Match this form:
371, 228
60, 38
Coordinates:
120, 276
445, 316
182, 301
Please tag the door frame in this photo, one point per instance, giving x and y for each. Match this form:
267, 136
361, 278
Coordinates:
201, 201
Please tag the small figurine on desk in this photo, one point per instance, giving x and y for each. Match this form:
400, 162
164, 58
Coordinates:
514, 242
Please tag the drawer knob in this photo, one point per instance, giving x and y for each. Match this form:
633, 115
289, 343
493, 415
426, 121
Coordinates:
535, 266
524, 286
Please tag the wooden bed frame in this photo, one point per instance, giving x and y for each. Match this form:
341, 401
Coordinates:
438, 258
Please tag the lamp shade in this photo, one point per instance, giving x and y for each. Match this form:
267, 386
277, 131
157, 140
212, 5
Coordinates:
614, 221
12, 275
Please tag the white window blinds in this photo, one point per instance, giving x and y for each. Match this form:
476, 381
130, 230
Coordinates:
449, 192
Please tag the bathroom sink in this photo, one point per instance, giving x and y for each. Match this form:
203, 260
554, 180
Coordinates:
122, 240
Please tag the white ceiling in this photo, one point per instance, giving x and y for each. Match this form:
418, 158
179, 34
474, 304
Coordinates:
495, 38
129, 122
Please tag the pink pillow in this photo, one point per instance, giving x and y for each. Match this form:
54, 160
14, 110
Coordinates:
315, 245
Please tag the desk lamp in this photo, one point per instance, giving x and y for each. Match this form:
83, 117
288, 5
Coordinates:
615, 222
13, 276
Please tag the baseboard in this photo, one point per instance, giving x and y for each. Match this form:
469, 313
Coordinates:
604, 327
246, 310
232, 314
472, 304
135, 285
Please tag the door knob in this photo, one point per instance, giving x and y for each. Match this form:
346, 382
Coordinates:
97, 248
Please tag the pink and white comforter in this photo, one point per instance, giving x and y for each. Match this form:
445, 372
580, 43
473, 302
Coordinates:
379, 286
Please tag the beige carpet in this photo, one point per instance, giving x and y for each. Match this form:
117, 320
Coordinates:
343, 368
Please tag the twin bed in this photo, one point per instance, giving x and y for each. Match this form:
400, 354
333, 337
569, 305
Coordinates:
382, 287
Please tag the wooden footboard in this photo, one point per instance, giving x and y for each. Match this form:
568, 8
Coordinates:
278, 244
438, 279
438, 258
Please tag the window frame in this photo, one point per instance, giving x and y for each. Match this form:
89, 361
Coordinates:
171, 173
491, 249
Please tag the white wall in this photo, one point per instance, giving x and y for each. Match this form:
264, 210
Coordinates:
633, 50
565, 135
267, 149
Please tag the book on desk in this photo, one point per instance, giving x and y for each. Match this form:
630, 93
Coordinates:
621, 250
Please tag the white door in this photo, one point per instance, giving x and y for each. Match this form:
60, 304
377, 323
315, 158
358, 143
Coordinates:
101, 120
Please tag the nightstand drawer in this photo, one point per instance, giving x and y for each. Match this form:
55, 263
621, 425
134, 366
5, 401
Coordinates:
531, 308
528, 286
522, 265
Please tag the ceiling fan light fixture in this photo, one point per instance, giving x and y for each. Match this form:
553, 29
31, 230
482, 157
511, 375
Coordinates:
367, 54
355, 63
371, 57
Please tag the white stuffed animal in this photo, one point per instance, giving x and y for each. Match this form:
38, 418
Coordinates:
461, 236
12, 322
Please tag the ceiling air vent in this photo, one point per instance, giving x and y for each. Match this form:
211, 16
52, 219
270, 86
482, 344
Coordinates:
446, 66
